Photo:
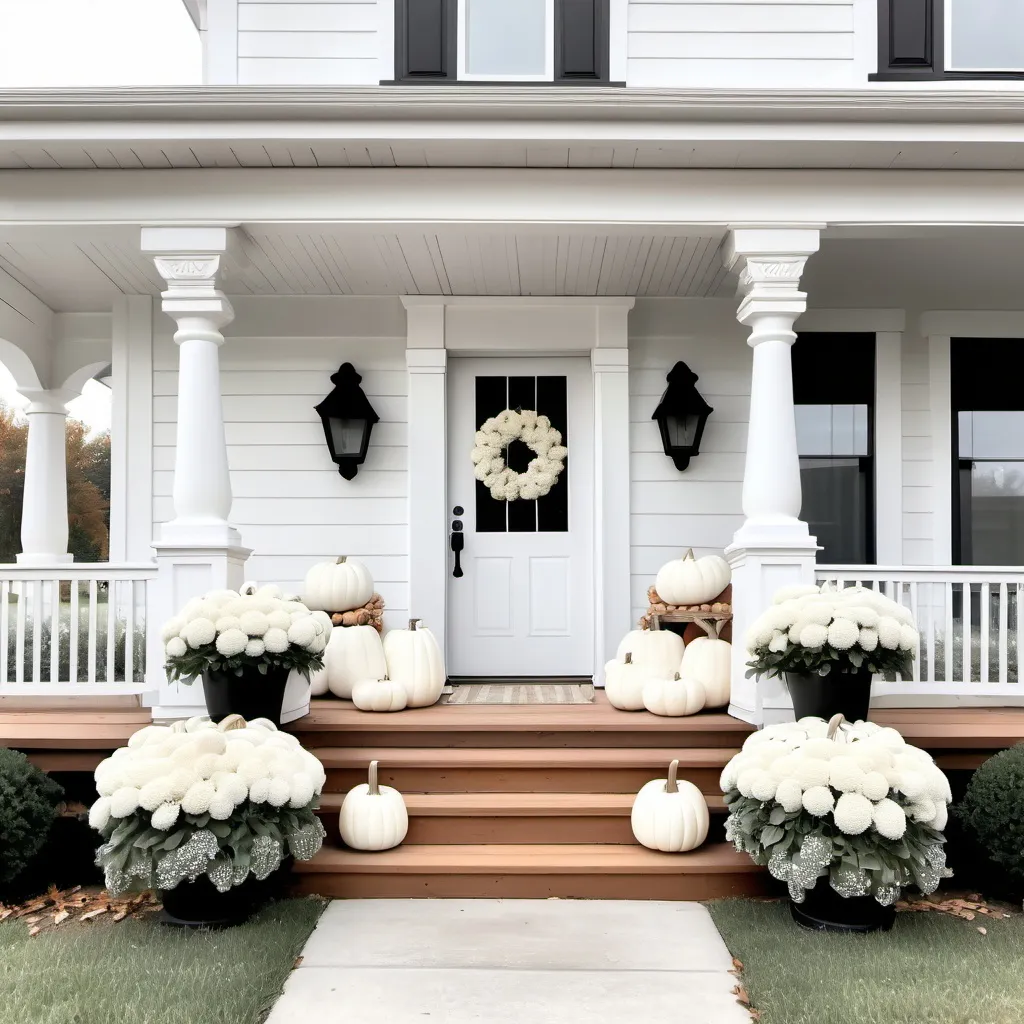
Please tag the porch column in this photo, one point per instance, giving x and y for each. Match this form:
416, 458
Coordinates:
44, 510
198, 550
773, 548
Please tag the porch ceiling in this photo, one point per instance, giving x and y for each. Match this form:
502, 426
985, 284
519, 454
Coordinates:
83, 269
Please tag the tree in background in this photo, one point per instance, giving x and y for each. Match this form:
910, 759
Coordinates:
88, 468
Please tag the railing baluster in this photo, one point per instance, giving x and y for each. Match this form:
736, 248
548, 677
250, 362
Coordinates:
916, 668
985, 612
947, 645
19, 636
967, 634
111, 631
73, 625
93, 599
129, 635
930, 639
37, 631
5, 626
55, 631
1004, 614
1019, 661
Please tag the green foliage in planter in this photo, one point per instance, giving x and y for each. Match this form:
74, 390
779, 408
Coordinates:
190, 666
28, 809
993, 809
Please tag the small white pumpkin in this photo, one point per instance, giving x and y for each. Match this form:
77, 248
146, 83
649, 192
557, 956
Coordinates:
670, 815
338, 586
373, 817
318, 682
413, 659
624, 684
659, 651
689, 580
709, 660
353, 653
379, 695
674, 698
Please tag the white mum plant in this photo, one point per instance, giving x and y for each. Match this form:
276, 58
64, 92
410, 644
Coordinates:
827, 631
855, 804
228, 631
197, 799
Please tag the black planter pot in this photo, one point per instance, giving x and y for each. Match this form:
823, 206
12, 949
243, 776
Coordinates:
842, 693
824, 910
251, 695
198, 904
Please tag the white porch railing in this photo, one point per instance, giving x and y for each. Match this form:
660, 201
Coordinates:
73, 629
971, 626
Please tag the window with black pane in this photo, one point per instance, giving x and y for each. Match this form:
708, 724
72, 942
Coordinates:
988, 440
834, 396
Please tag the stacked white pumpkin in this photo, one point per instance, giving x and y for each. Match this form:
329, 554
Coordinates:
405, 669
653, 670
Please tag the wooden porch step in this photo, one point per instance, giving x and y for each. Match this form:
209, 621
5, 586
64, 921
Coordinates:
534, 872
71, 729
338, 723
440, 819
520, 770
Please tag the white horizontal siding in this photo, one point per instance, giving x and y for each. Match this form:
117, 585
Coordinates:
290, 504
307, 71
699, 508
785, 43
918, 468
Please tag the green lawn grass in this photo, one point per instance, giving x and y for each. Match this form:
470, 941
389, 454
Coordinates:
141, 972
930, 969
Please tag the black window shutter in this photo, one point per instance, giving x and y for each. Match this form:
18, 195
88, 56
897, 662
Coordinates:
910, 37
581, 40
425, 40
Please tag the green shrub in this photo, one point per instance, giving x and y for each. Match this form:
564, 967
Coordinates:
28, 809
993, 809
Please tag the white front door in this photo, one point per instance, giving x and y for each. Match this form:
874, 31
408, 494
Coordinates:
524, 605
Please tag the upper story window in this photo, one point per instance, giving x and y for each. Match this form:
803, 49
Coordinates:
950, 39
487, 41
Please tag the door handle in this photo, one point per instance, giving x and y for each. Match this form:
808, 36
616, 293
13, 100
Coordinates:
458, 542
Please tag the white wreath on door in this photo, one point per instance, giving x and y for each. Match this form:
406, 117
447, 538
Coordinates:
536, 432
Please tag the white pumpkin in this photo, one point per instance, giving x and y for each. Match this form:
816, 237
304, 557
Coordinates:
413, 659
689, 580
670, 815
624, 684
338, 586
353, 653
379, 695
659, 651
674, 698
709, 660
318, 682
373, 817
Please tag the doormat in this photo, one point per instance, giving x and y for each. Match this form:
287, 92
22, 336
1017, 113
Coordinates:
522, 693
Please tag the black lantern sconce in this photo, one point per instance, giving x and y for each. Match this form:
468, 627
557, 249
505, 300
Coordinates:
681, 416
348, 419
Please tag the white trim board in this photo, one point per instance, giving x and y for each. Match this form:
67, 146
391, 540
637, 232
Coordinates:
972, 323
854, 321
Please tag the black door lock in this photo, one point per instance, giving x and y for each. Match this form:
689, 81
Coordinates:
458, 542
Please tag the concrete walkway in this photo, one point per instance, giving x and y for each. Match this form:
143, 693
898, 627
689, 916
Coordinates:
512, 962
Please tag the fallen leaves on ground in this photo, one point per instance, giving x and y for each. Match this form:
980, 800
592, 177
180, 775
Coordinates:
743, 997
966, 908
79, 904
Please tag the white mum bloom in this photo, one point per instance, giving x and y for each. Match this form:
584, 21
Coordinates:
165, 816
197, 799
99, 814
255, 648
125, 801
155, 793
763, 786
280, 792
868, 639
171, 628
281, 619
259, 791
843, 634
863, 615
909, 638
813, 637
276, 641
778, 643
890, 819
759, 635
845, 775
889, 633
789, 795
819, 801
302, 633
811, 772
941, 817
789, 593
226, 622
254, 623
875, 786
912, 785
221, 806
853, 814
176, 647
818, 612
233, 642
199, 632
923, 810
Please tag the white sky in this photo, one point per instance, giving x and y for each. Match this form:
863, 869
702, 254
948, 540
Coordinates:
61, 43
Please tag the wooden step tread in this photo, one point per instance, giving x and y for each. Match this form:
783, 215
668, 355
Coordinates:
657, 758
502, 805
330, 715
715, 858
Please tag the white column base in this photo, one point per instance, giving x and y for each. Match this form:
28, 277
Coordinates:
31, 558
185, 572
757, 573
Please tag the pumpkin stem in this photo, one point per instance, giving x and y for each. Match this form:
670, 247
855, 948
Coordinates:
414, 624
373, 789
689, 556
342, 559
671, 786
230, 723
676, 678
834, 723
629, 657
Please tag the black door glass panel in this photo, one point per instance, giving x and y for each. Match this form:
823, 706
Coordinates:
836, 508
991, 434
522, 515
553, 508
491, 393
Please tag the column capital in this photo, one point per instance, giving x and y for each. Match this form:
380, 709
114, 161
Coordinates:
53, 402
